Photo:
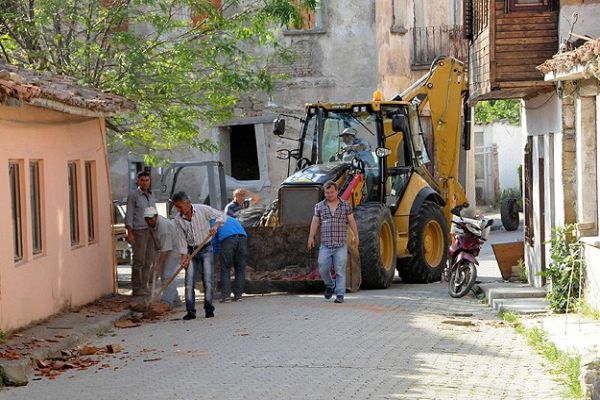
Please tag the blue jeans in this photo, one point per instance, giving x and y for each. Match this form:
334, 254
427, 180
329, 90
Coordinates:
233, 252
338, 257
202, 264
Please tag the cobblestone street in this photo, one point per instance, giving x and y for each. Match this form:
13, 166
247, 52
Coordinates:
400, 343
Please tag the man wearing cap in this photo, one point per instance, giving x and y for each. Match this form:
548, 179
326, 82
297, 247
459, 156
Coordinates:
165, 241
358, 147
192, 227
138, 234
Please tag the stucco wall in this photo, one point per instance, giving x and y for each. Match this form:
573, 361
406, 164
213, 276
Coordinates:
509, 141
61, 276
587, 20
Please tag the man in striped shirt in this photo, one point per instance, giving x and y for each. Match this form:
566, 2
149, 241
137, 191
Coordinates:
192, 227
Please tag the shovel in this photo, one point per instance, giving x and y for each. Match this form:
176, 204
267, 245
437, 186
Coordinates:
147, 306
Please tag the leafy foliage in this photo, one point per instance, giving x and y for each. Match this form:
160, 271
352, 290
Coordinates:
487, 112
565, 270
184, 62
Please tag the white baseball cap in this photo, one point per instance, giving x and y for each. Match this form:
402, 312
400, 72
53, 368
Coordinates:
150, 212
348, 131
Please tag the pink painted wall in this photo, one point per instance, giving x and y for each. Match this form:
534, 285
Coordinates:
62, 275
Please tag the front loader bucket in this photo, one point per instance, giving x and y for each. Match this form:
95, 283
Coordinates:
279, 261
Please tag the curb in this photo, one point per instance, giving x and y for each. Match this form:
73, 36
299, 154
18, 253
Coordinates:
15, 372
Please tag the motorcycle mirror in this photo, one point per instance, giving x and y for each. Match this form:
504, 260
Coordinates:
279, 126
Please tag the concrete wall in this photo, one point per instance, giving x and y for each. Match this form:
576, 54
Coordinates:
62, 275
394, 20
509, 141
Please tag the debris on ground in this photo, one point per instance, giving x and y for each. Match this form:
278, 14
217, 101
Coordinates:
459, 322
76, 359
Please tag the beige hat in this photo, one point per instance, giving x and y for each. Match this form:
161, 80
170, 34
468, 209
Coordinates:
150, 212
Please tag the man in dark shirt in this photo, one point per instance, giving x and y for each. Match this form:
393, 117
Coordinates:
333, 215
138, 234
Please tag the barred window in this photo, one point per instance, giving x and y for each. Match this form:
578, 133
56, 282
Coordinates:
73, 203
90, 195
14, 176
36, 210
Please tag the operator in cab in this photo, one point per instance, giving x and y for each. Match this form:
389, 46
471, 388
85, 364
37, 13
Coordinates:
355, 146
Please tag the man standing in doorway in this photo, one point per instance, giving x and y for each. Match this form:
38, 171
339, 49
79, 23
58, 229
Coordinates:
167, 261
138, 234
333, 215
192, 227
242, 198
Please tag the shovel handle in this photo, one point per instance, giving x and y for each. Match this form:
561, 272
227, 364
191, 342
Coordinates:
172, 277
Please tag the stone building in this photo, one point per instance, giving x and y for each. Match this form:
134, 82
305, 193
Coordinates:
345, 50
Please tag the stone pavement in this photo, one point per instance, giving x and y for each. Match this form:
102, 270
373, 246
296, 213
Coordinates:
406, 342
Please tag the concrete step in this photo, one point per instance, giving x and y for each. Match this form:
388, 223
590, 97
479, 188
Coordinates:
522, 306
504, 290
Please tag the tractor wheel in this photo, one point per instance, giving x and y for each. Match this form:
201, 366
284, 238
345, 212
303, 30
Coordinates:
377, 245
427, 244
509, 214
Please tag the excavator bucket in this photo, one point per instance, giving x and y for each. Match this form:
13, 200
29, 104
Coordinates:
279, 261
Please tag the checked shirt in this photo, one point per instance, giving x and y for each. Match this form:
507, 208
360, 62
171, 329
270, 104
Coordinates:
334, 227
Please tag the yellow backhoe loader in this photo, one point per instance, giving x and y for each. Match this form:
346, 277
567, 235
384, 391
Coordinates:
402, 209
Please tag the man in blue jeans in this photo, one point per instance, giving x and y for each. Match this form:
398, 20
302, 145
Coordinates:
333, 215
192, 227
231, 244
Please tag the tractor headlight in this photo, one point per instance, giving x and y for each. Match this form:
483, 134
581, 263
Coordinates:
382, 152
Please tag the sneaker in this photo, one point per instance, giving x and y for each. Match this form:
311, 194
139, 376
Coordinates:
225, 300
189, 315
209, 314
237, 298
328, 292
339, 299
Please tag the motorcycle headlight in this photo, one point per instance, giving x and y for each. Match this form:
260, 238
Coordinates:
475, 230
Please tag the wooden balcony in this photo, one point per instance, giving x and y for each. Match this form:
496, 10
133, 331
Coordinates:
430, 42
507, 44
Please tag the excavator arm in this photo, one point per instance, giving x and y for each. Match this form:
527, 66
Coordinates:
443, 90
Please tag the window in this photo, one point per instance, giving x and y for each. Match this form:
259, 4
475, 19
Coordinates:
311, 19
73, 204
90, 195
531, 5
201, 9
36, 206
244, 155
14, 176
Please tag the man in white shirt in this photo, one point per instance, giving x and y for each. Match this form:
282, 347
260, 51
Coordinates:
162, 232
192, 227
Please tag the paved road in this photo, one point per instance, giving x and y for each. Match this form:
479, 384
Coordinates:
388, 344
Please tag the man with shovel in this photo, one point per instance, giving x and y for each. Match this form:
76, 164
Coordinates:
193, 230
165, 241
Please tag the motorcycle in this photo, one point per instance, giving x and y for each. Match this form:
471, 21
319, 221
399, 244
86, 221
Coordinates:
468, 236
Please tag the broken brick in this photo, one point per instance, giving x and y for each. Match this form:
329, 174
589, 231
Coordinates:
114, 348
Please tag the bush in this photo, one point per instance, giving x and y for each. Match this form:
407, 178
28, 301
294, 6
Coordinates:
566, 269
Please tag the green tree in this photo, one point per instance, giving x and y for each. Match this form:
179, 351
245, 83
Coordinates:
184, 62
487, 112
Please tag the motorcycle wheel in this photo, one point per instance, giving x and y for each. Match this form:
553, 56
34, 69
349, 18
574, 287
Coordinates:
462, 279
